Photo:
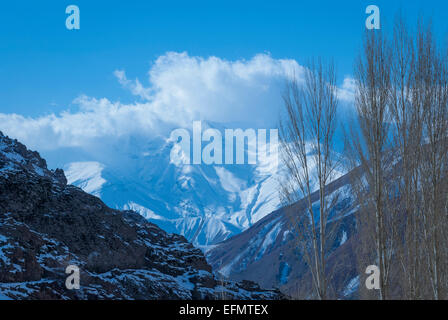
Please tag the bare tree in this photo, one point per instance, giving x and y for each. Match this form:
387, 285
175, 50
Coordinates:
407, 132
432, 96
371, 151
399, 150
402, 107
307, 152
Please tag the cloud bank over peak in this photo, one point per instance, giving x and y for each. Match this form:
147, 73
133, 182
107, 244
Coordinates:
195, 88
180, 89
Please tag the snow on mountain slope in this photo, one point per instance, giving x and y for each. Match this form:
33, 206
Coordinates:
86, 175
47, 225
205, 203
267, 252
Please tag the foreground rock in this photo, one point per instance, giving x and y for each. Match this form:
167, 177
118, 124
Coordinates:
47, 225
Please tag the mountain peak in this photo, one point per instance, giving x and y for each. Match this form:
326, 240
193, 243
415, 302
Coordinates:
15, 158
47, 226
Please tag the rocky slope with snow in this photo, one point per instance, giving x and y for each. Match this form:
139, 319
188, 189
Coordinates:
47, 225
268, 251
205, 203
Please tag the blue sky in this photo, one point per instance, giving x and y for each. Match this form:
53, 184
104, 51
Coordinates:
44, 66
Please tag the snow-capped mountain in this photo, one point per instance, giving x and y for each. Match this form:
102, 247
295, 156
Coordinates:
47, 225
205, 203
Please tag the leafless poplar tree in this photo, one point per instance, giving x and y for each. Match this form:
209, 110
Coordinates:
407, 132
432, 96
307, 152
399, 152
402, 149
370, 149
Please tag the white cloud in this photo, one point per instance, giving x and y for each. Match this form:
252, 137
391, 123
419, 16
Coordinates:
347, 92
193, 88
94, 119
134, 86
181, 89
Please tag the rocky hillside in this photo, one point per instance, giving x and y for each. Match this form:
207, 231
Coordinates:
205, 203
267, 253
47, 225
